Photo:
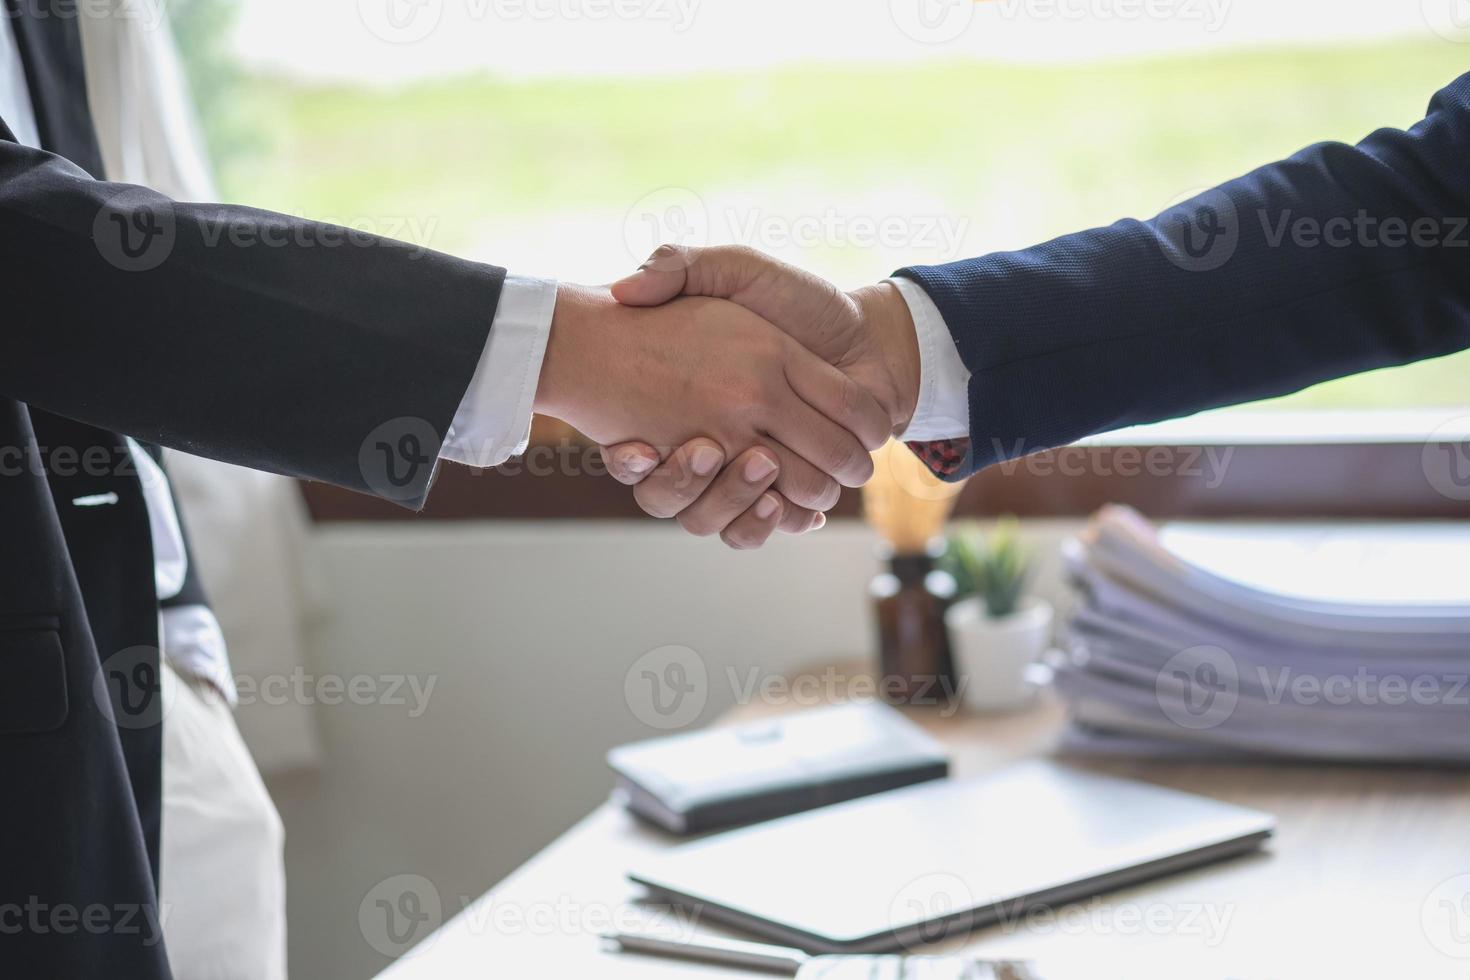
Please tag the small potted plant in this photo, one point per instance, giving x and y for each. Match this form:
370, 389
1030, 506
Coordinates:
996, 631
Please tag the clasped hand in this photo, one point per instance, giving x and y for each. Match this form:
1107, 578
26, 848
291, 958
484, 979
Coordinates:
735, 393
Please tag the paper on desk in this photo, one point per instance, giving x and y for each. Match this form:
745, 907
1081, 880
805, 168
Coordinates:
1166, 654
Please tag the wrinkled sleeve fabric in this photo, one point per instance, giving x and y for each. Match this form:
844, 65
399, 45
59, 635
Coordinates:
494, 419
264, 340
1337, 260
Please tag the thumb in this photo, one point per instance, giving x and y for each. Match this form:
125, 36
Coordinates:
807, 307
656, 281
629, 462
795, 300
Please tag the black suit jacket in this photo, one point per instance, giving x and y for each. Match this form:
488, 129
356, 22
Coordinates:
228, 332
1337, 260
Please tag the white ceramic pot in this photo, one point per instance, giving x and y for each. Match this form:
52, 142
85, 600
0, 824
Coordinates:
992, 657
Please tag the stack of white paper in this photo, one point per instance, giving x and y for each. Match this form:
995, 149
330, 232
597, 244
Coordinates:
1341, 642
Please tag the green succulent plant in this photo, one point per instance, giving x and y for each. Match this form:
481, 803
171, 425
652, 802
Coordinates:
994, 567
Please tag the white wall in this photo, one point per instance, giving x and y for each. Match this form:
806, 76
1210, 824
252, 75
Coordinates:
527, 631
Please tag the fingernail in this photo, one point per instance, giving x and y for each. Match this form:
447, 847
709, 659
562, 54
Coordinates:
706, 460
637, 463
766, 506
820, 522
758, 467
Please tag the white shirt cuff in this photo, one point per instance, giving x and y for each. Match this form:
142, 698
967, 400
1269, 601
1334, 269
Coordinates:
195, 645
494, 419
943, 409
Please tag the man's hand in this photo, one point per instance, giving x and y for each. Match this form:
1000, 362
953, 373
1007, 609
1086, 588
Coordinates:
737, 502
868, 334
707, 368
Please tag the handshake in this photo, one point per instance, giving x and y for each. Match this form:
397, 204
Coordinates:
733, 392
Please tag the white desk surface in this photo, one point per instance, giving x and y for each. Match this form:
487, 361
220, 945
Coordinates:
1360, 881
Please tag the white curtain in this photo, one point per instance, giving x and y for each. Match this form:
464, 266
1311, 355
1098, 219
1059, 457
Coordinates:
248, 528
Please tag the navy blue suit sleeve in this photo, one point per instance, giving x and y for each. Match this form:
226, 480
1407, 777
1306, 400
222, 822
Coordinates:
1337, 260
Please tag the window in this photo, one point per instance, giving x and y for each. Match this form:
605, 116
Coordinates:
567, 137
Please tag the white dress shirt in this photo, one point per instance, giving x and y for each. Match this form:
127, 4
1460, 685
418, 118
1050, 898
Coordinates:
15, 97
494, 418
492, 424
943, 408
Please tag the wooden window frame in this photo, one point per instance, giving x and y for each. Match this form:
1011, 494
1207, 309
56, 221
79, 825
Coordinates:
1180, 470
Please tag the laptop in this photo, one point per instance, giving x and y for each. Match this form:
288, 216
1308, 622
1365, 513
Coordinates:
910, 866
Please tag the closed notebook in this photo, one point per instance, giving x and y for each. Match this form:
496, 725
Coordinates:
740, 774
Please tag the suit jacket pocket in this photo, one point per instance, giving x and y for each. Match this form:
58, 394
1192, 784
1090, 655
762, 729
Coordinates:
33, 695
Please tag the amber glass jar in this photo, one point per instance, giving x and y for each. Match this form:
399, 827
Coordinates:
909, 600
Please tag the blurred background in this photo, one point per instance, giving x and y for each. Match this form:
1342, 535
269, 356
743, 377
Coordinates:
566, 139
522, 133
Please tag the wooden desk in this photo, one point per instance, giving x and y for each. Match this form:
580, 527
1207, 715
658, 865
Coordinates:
1359, 882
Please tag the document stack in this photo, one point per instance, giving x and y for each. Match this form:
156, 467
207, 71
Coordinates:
1331, 643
